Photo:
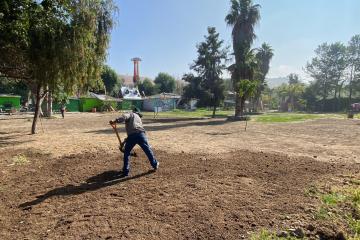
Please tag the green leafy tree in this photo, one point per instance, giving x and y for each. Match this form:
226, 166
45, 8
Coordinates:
243, 16
62, 44
310, 96
148, 87
293, 78
353, 60
179, 87
14, 25
16, 87
195, 90
264, 55
165, 83
209, 66
111, 80
328, 69
290, 95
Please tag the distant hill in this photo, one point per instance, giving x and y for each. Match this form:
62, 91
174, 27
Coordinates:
275, 82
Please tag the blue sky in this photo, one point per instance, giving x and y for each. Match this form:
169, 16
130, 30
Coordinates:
164, 33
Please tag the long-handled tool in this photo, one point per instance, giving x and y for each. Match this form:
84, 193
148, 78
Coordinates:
122, 143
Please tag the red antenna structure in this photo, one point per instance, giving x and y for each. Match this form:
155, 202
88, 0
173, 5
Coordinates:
136, 77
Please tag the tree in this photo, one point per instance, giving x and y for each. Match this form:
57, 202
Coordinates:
243, 16
264, 55
165, 83
148, 87
293, 78
15, 87
209, 66
353, 60
64, 44
195, 90
14, 24
290, 96
111, 80
179, 87
328, 69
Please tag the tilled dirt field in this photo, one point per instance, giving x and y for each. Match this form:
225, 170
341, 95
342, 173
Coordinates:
225, 196
208, 186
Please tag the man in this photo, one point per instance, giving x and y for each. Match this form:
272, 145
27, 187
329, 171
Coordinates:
62, 109
136, 135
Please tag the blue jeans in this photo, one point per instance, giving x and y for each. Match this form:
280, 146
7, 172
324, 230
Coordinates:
141, 140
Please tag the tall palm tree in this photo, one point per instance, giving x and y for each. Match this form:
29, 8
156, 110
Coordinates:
243, 16
263, 56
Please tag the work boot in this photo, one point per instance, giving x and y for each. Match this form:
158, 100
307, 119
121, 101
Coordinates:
156, 166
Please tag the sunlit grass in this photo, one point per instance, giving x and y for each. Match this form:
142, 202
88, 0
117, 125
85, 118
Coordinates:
342, 204
199, 113
285, 117
263, 118
19, 159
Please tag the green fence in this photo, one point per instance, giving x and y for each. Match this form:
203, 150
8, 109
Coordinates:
10, 102
73, 105
87, 104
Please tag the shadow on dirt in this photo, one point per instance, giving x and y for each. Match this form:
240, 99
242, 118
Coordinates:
94, 183
168, 126
11, 140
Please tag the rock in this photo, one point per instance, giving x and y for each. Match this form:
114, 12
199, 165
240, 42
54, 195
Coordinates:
298, 233
310, 227
340, 236
282, 234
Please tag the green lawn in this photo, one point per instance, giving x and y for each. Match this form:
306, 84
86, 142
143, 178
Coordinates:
199, 113
264, 118
293, 117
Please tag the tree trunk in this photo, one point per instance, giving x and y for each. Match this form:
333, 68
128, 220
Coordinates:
214, 110
237, 105
49, 105
37, 109
350, 87
324, 98
240, 106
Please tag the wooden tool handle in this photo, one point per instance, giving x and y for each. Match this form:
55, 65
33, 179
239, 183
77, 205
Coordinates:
116, 131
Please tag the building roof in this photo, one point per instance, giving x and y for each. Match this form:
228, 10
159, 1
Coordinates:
166, 96
104, 97
9, 95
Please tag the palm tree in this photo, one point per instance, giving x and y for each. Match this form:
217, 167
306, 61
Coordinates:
263, 56
243, 16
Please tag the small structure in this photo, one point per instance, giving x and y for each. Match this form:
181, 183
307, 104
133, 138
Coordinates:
229, 101
355, 107
98, 102
131, 98
161, 102
9, 103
